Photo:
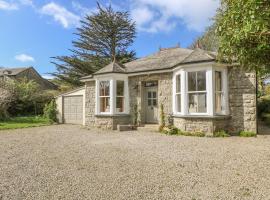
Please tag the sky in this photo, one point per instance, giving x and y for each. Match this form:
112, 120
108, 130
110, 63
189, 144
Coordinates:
34, 31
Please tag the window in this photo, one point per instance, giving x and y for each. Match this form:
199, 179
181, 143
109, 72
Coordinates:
197, 92
112, 96
178, 93
219, 108
104, 96
120, 99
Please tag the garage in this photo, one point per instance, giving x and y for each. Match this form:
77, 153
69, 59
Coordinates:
73, 109
70, 107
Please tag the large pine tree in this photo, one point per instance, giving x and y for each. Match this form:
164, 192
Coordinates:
103, 37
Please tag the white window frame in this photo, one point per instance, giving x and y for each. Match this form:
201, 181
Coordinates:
113, 78
210, 90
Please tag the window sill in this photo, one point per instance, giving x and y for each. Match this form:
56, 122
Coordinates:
203, 116
112, 115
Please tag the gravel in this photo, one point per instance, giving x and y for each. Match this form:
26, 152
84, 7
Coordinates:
70, 162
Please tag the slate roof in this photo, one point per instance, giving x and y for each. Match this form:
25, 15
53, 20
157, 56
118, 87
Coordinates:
163, 60
12, 71
113, 67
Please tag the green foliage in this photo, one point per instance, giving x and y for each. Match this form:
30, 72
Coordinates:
162, 118
247, 134
29, 99
221, 133
243, 27
208, 41
23, 122
172, 130
50, 111
103, 36
263, 106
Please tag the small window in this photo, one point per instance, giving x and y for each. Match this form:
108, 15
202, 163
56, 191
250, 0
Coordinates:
104, 96
197, 92
120, 99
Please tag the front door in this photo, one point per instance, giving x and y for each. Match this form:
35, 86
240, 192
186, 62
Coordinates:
151, 108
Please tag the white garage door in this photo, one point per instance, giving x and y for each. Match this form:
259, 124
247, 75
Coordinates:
73, 109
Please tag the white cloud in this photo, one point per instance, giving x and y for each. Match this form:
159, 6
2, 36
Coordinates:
60, 14
4, 5
24, 58
83, 10
168, 13
27, 2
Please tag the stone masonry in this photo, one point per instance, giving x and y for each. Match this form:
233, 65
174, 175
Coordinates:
242, 103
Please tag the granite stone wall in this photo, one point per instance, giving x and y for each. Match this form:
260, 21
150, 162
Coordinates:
90, 104
242, 100
242, 104
136, 93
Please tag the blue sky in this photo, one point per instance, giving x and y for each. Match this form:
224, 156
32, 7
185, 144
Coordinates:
33, 31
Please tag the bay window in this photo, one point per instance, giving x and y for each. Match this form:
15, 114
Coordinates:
112, 95
178, 93
200, 91
197, 92
219, 93
104, 96
120, 99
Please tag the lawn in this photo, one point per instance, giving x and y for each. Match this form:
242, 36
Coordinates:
23, 122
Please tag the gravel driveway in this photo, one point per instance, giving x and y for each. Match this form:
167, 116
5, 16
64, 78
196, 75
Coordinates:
69, 162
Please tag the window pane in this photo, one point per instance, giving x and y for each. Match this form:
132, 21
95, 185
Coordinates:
149, 102
178, 83
218, 82
104, 88
149, 95
154, 102
201, 81
192, 103
218, 107
120, 104
178, 103
154, 95
120, 88
197, 103
191, 81
201, 103
104, 104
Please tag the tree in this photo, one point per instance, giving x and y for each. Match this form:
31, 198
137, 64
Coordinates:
103, 37
208, 41
243, 27
6, 98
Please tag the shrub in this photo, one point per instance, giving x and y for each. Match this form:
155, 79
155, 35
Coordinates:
50, 111
162, 119
172, 130
263, 106
247, 134
221, 133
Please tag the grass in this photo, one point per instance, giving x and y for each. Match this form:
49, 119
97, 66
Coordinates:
23, 122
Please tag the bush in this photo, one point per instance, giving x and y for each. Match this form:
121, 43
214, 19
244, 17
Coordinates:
263, 106
171, 130
221, 133
247, 134
162, 119
50, 111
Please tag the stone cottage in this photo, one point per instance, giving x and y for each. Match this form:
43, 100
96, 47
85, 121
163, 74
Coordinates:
197, 93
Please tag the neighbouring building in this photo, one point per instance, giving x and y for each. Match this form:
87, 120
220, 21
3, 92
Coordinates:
197, 93
26, 72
